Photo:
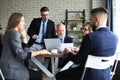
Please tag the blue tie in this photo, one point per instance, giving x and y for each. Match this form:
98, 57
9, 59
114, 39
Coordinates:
43, 30
61, 40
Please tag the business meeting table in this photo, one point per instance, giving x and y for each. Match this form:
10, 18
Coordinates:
54, 62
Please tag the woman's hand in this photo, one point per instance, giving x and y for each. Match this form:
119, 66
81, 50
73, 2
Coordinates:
22, 32
36, 53
44, 51
23, 35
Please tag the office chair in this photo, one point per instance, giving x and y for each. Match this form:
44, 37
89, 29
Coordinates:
70, 63
98, 62
1, 74
115, 64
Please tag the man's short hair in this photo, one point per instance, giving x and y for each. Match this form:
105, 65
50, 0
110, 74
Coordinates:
99, 10
44, 9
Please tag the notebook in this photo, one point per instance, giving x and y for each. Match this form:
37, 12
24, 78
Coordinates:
52, 43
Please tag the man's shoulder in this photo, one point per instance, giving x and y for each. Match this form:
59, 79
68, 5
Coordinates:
56, 36
37, 19
50, 20
68, 37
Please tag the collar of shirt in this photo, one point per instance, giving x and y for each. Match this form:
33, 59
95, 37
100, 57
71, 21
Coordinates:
45, 24
44, 20
62, 39
100, 27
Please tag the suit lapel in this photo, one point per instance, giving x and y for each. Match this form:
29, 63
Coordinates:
65, 39
47, 28
39, 23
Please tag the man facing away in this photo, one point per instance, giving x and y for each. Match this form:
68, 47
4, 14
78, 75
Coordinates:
101, 42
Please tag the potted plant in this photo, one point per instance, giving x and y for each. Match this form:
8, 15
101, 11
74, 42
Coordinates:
81, 17
73, 26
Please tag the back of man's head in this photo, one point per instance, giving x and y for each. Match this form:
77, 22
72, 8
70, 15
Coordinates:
101, 12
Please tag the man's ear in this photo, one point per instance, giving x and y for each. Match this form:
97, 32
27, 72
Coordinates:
96, 19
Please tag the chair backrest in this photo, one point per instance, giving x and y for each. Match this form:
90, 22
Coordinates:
118, 56
98, 62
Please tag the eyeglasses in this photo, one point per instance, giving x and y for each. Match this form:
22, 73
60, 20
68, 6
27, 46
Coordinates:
44, 14
84, 29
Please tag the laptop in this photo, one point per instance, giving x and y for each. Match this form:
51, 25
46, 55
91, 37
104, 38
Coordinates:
52, 43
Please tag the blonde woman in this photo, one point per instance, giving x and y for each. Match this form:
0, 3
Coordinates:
15, 50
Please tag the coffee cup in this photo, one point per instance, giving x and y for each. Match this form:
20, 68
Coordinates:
54, 51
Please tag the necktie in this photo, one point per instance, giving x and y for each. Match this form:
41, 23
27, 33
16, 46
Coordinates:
43, 30
61, 40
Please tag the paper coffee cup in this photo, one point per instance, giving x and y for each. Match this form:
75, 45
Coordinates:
54, 51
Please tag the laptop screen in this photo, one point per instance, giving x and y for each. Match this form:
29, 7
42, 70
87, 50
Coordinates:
52, 43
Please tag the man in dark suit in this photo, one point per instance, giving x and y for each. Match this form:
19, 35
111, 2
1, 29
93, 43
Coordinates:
61, 33
39, 29
101, 42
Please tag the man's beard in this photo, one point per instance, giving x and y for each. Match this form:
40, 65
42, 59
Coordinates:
61, 37
93, 27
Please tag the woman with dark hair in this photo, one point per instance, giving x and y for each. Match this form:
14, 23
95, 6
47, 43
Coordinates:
15, 50
86, 29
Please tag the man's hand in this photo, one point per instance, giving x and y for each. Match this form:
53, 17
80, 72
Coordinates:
66, 51
35, 36
75, 49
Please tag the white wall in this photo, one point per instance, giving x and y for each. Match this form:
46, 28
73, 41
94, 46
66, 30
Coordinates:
116, 21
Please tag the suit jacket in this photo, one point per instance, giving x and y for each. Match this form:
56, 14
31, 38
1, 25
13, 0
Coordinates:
13, 56
63, 61
35, 28
101, 42
67, 39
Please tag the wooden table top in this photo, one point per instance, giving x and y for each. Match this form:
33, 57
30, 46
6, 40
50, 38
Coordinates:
52, 55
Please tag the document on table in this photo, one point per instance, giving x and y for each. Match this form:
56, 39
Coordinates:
64, 45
